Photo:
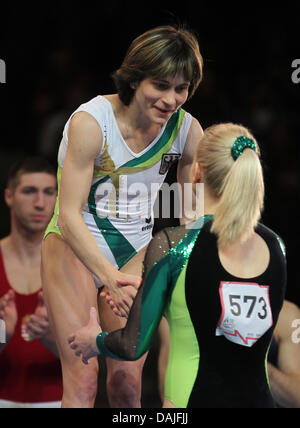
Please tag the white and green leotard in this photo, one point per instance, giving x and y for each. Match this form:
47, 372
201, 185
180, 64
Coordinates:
119, 209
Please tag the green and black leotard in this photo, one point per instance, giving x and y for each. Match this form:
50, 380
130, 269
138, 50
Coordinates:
220, 326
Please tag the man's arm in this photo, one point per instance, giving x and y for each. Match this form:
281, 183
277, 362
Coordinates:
184, 172
8, 316
285, 380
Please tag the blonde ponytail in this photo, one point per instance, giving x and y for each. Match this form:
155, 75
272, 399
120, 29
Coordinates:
237, 185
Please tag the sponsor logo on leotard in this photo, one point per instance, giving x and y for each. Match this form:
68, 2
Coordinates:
149, 223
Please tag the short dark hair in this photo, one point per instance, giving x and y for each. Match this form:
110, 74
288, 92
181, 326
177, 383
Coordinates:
161, 52
27, 165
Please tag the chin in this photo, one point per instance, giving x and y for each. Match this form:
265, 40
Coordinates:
35, 228
161, 120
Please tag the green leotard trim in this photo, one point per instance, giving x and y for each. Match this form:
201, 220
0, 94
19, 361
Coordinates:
121, 248
177, 309
100, 344
156, 294
52, 226
266, 366
279, 239
181, 365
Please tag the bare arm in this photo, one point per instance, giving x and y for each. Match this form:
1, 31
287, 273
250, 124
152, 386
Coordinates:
85, 140
184, 172
38, 327
285, 380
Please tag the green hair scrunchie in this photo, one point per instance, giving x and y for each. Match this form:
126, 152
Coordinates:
240, 144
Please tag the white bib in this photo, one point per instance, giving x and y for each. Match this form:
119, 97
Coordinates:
246, 312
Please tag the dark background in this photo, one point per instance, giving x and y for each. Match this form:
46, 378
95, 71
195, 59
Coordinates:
60, 54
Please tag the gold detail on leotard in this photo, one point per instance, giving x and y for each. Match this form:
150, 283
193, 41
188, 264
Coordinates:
108, 165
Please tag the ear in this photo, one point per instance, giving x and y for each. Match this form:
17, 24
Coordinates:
197, 173
134, 85
8, 195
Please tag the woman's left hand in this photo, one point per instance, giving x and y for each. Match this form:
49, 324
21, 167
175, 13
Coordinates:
83, 341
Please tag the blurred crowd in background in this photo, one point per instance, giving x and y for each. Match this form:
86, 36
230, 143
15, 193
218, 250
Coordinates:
60, 55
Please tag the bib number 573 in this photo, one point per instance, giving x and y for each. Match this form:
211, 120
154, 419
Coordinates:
246, 312
252, 301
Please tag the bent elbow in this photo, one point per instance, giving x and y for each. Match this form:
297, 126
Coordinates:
61, 223
68, 220
65, 225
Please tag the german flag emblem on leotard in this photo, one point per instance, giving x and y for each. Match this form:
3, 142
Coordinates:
167, 160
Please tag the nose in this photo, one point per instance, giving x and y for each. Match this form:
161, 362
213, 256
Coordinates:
39, 201
169, 99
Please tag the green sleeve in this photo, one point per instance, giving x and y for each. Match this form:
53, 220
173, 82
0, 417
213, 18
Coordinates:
130, 343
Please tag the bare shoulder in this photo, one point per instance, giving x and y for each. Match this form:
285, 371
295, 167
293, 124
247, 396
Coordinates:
194, 136
290, 311
85, 135
84, 122
4, 243
11, 261
195, 131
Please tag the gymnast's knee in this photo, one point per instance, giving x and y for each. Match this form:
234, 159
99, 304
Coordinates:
81, 385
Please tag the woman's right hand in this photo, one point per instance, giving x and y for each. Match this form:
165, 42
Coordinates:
83, 341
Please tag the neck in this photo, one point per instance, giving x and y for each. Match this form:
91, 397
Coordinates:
198, 209
25, 245
130, 116
210, 203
